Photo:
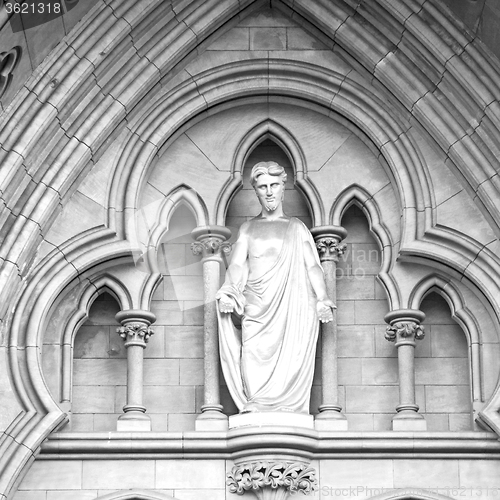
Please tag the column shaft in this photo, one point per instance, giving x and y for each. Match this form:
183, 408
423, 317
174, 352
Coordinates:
211, 273
210, 243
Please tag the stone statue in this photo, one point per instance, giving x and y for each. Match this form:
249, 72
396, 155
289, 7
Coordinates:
275, 283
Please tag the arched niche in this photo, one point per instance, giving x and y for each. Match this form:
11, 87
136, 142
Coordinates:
245, 205
366, 366
443, 368
99, 369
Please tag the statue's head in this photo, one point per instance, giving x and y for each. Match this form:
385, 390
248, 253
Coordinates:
268, 179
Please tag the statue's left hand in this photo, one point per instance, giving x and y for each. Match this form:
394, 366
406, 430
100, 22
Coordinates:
324, 309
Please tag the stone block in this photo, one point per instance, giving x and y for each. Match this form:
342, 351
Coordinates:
345, 312
355, 341
171, 399
366, 259
265, 17
410, 473
382, 421
379, 371
159, 421
191, 371
92, 342
178, 474
193, 311
161, 372
442, 371
349, 371
74, 495
448, 341
172, 258
168, 312
360, 473
118, 474
99, 372
354, 287
299, 39
371, 399
370, 312
479, 473
183, 288
235, 39
360, 421
93, 399
80, 422
212, 494
436, 422
181, 422
53, 475
384, 348
184, 341
106, 422
267, 38
460, 422
31, 495
447, 399
156, 344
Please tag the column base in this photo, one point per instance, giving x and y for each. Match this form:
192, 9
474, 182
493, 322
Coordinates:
407, 419
211, 419
330, 418
275, 418
133, 421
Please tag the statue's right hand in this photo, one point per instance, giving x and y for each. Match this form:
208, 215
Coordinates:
226, 303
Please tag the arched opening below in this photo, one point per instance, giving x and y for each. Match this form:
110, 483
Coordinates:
442, 369
99, 370
245, 205
367, 372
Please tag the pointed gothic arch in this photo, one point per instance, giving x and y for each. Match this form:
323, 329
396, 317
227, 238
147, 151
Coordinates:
269, 129
358, 195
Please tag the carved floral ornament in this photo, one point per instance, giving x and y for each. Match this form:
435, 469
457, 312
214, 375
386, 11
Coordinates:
272, 480
135, 331
329, 248
404, 329
210, 246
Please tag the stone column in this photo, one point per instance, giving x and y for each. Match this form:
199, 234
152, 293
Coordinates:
210, 243
404, 329
135, 331
328, 242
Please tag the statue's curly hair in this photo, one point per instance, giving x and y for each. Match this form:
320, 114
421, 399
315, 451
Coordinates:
267, 167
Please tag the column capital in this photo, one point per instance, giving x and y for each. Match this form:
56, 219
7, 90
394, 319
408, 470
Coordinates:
328, 240
404, 326
211, 241
135, 329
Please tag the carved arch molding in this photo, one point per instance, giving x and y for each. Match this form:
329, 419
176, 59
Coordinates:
48, 136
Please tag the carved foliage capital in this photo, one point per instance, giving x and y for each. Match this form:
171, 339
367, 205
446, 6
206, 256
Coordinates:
135, 332
210, 246
329, 248
264, 477
410, 330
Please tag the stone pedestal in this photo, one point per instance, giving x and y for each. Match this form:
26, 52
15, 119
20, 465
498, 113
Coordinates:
276, 418
404, 329
328, 242
210, 243
135, 331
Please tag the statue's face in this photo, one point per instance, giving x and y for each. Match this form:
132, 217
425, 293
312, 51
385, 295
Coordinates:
270, 190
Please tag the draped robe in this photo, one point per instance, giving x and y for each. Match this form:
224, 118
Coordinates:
268, 365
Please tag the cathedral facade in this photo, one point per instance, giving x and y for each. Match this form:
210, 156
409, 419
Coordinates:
128, 130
